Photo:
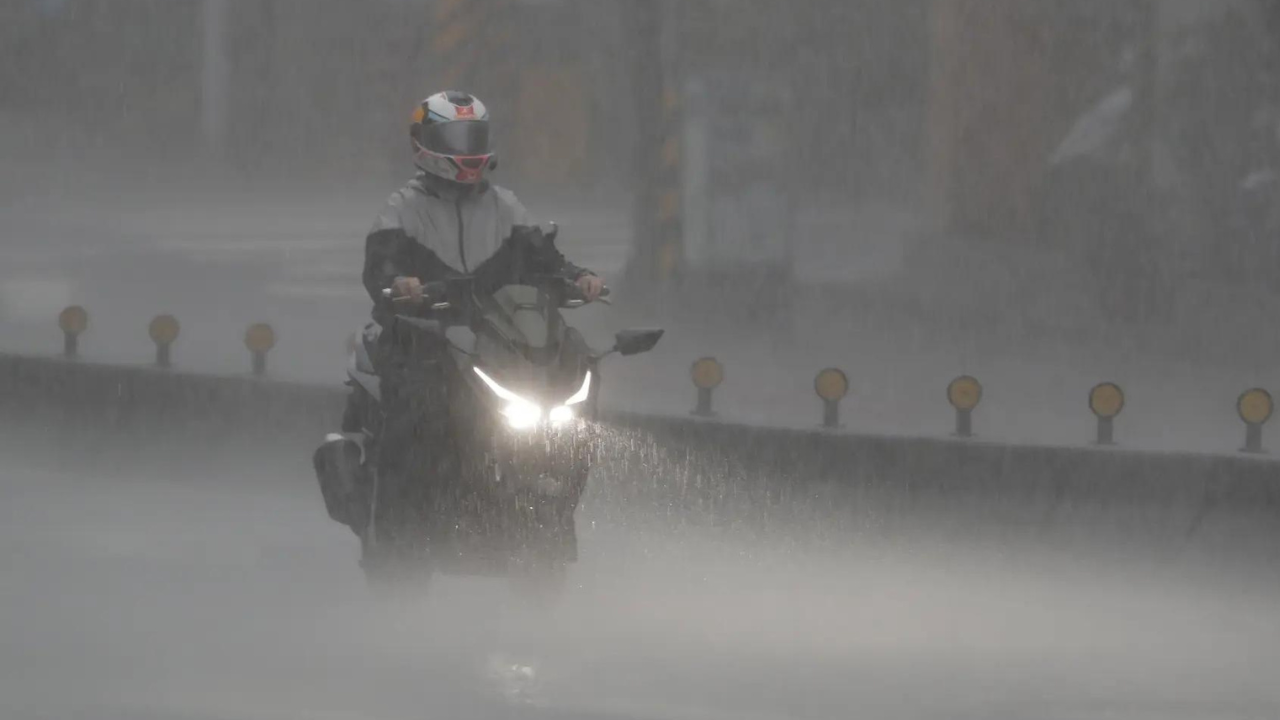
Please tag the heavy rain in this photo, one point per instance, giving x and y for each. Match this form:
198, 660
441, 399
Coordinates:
959, 409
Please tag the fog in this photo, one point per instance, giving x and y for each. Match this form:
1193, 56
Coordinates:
1044, 195
225, 593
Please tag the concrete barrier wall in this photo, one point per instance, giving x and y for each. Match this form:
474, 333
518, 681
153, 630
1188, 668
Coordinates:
709, 474
877, 487
122, 417
151, 398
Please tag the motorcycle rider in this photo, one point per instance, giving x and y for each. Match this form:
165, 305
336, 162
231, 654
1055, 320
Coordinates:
447, 221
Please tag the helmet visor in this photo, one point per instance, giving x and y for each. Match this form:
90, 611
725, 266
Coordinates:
465, 137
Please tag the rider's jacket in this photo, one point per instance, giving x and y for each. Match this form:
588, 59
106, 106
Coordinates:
432, 229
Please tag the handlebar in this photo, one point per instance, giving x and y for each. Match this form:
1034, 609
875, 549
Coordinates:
578, 300
572, 297
389, 294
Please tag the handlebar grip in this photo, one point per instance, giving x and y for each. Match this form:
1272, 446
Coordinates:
389, 294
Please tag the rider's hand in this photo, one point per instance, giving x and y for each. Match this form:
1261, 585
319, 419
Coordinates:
406, 291
591, 286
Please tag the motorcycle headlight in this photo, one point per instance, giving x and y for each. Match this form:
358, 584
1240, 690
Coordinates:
521, 416
522, 413
519, 412
565, 413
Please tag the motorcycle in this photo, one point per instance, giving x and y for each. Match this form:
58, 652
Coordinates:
522, 397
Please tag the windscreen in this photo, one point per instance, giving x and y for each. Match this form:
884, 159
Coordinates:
519, 312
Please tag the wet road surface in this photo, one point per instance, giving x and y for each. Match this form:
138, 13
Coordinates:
222, 592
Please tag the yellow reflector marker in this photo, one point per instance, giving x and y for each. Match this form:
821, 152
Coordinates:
73, 320
164, 329
831, 384
1106, 400
964, 393
707, 373
259, 338
1255, 406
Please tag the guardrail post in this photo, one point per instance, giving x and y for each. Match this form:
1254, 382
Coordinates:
1254, 407
73, 320
259, 339
964, 393
707, 374
1106, 400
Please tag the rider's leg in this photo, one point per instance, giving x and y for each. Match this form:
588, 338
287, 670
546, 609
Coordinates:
414, 430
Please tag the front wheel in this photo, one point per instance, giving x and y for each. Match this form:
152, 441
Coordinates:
389, 560
541, 581
390, 572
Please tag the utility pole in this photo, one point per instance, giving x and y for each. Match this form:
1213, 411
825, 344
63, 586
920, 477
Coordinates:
215, 74
657, 248
1146, 86
946, 91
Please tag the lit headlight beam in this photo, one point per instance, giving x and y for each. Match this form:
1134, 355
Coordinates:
501, 392
519, 412
583, 392
523, 413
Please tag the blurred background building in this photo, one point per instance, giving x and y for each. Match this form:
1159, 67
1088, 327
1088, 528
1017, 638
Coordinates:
1138, 137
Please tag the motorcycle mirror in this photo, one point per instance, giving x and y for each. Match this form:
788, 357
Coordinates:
637, 340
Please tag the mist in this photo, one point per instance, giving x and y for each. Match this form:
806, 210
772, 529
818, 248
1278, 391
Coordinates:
1042, 195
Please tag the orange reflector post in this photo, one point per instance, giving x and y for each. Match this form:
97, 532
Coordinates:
964, 393
259, 339
164, 330
707, 374
1254, 406
1106, 400
831, 385
73, 321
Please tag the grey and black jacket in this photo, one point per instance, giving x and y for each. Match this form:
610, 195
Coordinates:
432, 230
